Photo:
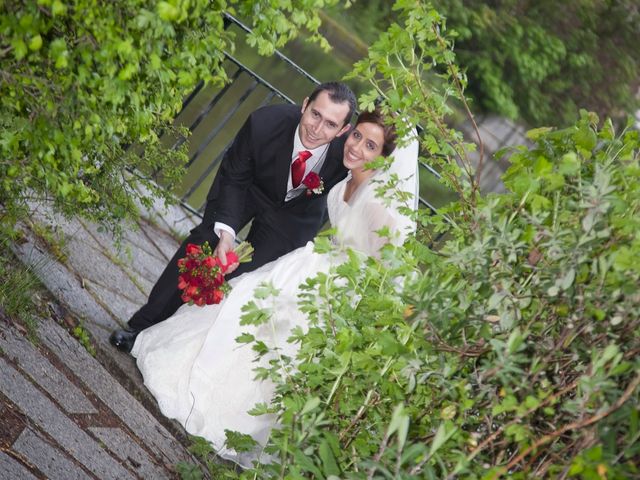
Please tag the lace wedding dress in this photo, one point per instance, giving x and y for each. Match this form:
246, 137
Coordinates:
191, 362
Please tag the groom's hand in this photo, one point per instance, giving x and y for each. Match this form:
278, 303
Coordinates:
225, 245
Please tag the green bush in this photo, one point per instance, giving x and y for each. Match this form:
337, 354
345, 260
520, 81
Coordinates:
508, 350
82, 80
543, 61
535, 61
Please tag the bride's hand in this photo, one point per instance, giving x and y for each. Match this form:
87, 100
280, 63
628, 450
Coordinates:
225, 245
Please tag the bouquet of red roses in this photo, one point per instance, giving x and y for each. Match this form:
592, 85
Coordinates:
201, 276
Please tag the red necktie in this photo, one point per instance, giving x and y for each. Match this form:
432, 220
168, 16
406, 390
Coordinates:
298, 167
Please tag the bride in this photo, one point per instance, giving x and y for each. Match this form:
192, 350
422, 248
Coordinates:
191, 362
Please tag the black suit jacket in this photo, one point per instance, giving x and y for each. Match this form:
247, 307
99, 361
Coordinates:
252, 183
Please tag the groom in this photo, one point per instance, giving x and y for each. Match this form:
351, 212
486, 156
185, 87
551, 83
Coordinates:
262, 179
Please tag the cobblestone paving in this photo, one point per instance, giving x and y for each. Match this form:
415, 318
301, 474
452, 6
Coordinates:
66, 414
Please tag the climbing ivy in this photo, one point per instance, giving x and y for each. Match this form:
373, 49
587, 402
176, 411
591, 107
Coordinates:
86, 86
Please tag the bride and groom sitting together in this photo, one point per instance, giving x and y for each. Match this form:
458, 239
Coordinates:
188, 355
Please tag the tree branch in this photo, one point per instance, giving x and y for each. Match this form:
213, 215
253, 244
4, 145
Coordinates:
573, 426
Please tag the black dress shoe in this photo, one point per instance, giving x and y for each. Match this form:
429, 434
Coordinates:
124, 339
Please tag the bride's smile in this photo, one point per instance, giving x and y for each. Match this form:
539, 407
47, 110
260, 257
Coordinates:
363, 145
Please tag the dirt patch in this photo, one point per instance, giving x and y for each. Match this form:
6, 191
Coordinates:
13, 422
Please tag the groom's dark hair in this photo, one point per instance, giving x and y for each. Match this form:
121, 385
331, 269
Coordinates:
338, 93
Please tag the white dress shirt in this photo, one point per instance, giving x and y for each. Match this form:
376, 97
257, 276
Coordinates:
313, 164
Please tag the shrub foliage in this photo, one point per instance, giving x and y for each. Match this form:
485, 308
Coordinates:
510, 349
543, 61
81, 80
536, 61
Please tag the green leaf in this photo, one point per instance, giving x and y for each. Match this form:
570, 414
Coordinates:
35, 43
189, 471
240, 442
531, 402
539, 203
260, 347
128, 71
567, 279
569, 164
445, 432
329, 463
448, 412
64, 189
609, 352
61, 61
542, 167
508, 404
389, 344
311, 404
554, 181
516, 339
517, 431
323, 243
58, 8
245, 338
167, 11
624, 260
553, 291
265, 290
304, 462
536, 133
261, 409
254, 315
585, 138
19, 48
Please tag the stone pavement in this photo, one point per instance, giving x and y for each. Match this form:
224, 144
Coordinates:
66, 414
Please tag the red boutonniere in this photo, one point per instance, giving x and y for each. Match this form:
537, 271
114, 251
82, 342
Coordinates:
314, 184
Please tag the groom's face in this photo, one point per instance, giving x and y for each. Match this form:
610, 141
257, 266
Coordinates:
322, 120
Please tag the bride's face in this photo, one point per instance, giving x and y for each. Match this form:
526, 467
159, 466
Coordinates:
363, 145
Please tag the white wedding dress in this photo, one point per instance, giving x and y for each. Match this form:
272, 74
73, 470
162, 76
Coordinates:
191, 362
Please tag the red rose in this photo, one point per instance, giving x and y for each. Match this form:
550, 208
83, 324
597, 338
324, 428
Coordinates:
211, 297
191, 264
191, 291
199, 301
183, 281
218, 279
193, 249
312, 181
210, 262
218, 295
182, 262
